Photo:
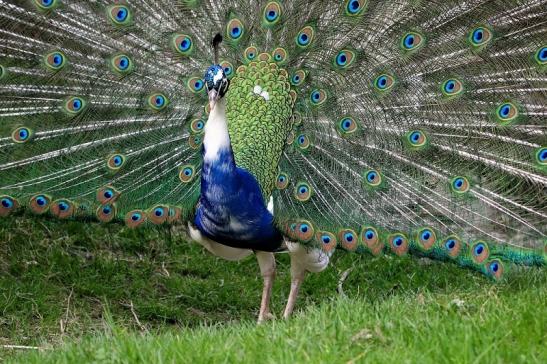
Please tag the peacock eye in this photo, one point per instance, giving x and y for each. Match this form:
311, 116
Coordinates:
541, 156
279, 55
480, 36
416, 139
122, 64
115, 162
46, 4
346, 126
197, 125
195, 84
412, 41
373, 178
303, 192
344, 59
157, 101
235, 29
451, 87
305, 36
272, 13
298, 78
507, 112
74, 105
21, 135
318, 97
186, 173
250, 53
541, 56
460, 185
55, 60
282, 181
384, 82
182, 44
355, 7
119, 15
398, 243
480, 252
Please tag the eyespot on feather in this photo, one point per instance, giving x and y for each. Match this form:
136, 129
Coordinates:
541, 56
451, 88
106, 213
412, 41
318, 97
346, 126
460, 185
344, 59
372, 178
228, 69
22, 135
62, 208
174, 214
39, 204
121, 64
46, 5
298, 78
195, 85
197, 125
452, 245
187, 173
107, 194
327, 240
135, 218
425, 238
282, 181
303, 191
55, 60
541, 156
8, 204
495, 268
480, 251
115, 162
235, 29
279, 55
304, 231
507, 113
348, 238
398, 243
158, 214
371, 240
479, 37
195, 141
250, 54
354, 8
182, 44
384, 82
416, 139
157, 101
305, 37
119, 15
74, 105
303, 142
271, 14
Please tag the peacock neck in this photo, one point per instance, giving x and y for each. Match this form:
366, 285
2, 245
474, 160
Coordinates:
217, 138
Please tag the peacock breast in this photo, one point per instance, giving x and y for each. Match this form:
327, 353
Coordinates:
259, 110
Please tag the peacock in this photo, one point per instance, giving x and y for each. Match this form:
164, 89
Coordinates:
377, 127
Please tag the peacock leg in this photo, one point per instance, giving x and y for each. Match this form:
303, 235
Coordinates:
266, 261
298, 272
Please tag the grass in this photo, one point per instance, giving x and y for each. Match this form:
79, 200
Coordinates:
85, 292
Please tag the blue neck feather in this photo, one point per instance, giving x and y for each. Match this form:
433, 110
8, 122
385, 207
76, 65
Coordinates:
231, 209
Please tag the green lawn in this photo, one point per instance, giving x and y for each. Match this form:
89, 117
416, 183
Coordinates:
94, 293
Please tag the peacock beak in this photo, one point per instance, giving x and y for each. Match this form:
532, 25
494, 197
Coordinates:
213, 98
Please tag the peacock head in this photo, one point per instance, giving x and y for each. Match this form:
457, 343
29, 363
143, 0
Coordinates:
216, 84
